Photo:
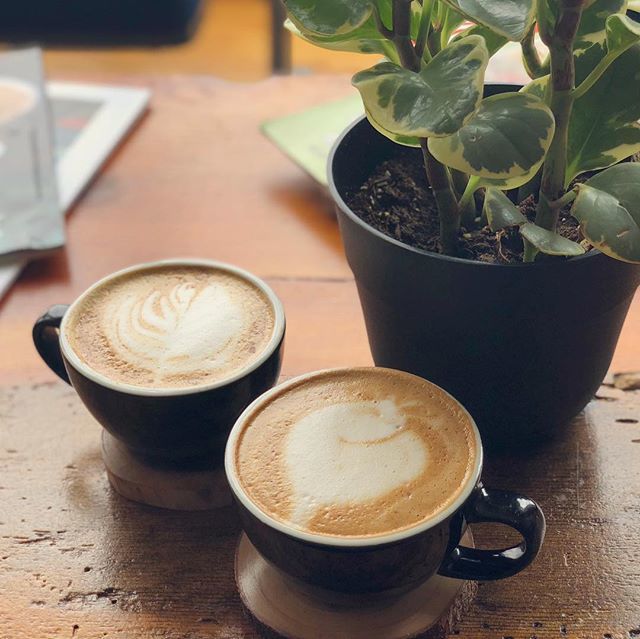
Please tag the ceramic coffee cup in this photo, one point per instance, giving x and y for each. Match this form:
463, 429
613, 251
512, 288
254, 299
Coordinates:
182, 425
380, 562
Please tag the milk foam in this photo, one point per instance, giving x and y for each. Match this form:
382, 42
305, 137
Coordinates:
355, 452
172, 326
332, 453
184, 331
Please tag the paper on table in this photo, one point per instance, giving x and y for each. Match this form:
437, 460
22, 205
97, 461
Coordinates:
30, 216
89, 120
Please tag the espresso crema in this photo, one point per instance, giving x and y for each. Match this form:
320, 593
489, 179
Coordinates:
171, 326
356, 453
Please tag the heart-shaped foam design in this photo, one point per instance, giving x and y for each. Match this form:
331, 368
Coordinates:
189, 329
350, 453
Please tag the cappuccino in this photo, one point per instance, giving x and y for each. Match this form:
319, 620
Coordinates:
355, 452
171, 326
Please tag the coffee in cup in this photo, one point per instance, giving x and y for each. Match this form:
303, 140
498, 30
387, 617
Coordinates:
353, 453
166, 355
173, 326
364, 479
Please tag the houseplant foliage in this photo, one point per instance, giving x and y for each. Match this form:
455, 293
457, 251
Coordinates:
578, 114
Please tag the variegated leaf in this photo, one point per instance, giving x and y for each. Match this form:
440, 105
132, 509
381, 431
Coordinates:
328, 17
622, 33
504, 143
493, 40
549, 242
365, 39
536, 87
404, 140
500, 211
608, 209
434, 102
592, 23
604, 128
509, 18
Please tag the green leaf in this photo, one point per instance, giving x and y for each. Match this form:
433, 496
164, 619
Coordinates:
494, 41
404, 140
501, 212
547, 18
593, 22
622, 33
608, 209
604, 128
504, 143
328, 17
536, 87
509, 18
365, 39
549, 242
436, 101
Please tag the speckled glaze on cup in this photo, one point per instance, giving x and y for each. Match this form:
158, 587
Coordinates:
397, 560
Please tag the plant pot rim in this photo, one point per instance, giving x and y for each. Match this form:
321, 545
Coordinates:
438, 256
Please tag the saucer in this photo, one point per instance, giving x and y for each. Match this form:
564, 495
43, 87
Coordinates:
165, 488
285, 607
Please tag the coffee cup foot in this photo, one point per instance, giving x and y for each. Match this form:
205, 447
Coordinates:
172, 488
283, 606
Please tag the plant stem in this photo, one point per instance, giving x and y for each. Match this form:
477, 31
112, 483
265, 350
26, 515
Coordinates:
440, 182
444, 27
530, 252
530, 57
437, 174
402, 35
460, 181
467, 203
595, 74
561, 86
565, 200
423, 31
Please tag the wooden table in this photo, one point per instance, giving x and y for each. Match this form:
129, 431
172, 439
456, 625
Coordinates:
198, 179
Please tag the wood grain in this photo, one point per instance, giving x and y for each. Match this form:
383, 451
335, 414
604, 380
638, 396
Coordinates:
197, 178
76, 560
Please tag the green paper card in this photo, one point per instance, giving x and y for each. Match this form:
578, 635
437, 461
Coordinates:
307, 137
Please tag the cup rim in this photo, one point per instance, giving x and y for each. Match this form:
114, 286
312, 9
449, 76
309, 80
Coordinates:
84, 369
330, 540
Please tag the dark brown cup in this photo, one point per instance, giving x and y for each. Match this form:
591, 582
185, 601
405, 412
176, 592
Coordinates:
398, 560
166, 427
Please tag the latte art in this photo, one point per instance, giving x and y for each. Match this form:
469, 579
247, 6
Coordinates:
343, 444
355, 452
172, 326
185, 331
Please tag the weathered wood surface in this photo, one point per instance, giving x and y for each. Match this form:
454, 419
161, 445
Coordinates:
77, 560
197, 178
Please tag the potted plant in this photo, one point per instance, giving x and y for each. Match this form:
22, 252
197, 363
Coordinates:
493, 231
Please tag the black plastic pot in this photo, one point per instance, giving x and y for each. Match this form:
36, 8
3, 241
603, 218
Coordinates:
524, 346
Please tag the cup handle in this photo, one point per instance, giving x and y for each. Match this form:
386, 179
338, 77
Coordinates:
497, 506
46, 337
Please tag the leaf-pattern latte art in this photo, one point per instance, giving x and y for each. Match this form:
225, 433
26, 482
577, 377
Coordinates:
186, 330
